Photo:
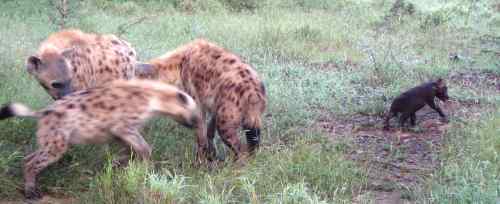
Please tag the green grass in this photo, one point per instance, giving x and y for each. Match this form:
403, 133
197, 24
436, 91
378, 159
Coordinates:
278, 174
315, 56
469, 173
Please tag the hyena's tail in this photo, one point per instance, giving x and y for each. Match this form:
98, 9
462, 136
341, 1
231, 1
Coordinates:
252, 122
252, 133
15, 109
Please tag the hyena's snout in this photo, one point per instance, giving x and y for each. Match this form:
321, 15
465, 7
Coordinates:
190, 121
60, 89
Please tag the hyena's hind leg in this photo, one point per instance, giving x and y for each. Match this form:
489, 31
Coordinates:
48, 153
230, 137
228, 123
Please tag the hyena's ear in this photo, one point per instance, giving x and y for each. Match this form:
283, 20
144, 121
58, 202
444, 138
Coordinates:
67, 52
33, 64
145, 70
439, 83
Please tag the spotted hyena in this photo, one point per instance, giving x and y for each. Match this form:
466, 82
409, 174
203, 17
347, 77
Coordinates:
71, 60
225, 88
114, 111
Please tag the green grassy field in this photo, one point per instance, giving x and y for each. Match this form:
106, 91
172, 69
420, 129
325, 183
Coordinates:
342, 58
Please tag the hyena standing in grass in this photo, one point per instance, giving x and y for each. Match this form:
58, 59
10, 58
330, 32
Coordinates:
224, 87
96, 115
71, 60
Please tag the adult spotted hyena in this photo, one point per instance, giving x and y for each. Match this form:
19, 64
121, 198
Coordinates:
71, 60
225, 88
96, 115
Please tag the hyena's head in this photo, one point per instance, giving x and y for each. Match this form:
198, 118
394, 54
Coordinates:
165, 71
187, 113
53, 72
441, 89
166, 68
164, 99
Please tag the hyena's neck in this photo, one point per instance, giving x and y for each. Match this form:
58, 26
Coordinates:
168, 67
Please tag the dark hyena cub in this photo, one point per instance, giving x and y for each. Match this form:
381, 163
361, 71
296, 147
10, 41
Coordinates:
414, 99
116, 111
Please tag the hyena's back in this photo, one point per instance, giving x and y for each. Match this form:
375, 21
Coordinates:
224, 86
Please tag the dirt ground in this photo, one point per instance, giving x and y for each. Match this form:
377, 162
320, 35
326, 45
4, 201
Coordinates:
397, 159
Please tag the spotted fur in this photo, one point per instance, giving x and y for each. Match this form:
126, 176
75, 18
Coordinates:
71, 60
228, 91
115, 111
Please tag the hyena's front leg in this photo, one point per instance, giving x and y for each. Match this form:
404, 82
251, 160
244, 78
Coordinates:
124, 154
131, 136
388, 117
403, 118
49, 152
413, 119
201, 140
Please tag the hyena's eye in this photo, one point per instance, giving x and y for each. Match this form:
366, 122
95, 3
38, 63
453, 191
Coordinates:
57, 85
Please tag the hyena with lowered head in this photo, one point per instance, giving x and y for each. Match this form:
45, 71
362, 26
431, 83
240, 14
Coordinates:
222, 85
115, 111
71, 60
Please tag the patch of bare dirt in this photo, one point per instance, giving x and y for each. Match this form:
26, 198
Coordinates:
397, 159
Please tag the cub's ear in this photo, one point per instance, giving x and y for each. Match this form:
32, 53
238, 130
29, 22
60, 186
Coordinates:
33, 64
440, 83
145, 70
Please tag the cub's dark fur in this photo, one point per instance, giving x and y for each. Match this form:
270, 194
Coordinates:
414, 99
